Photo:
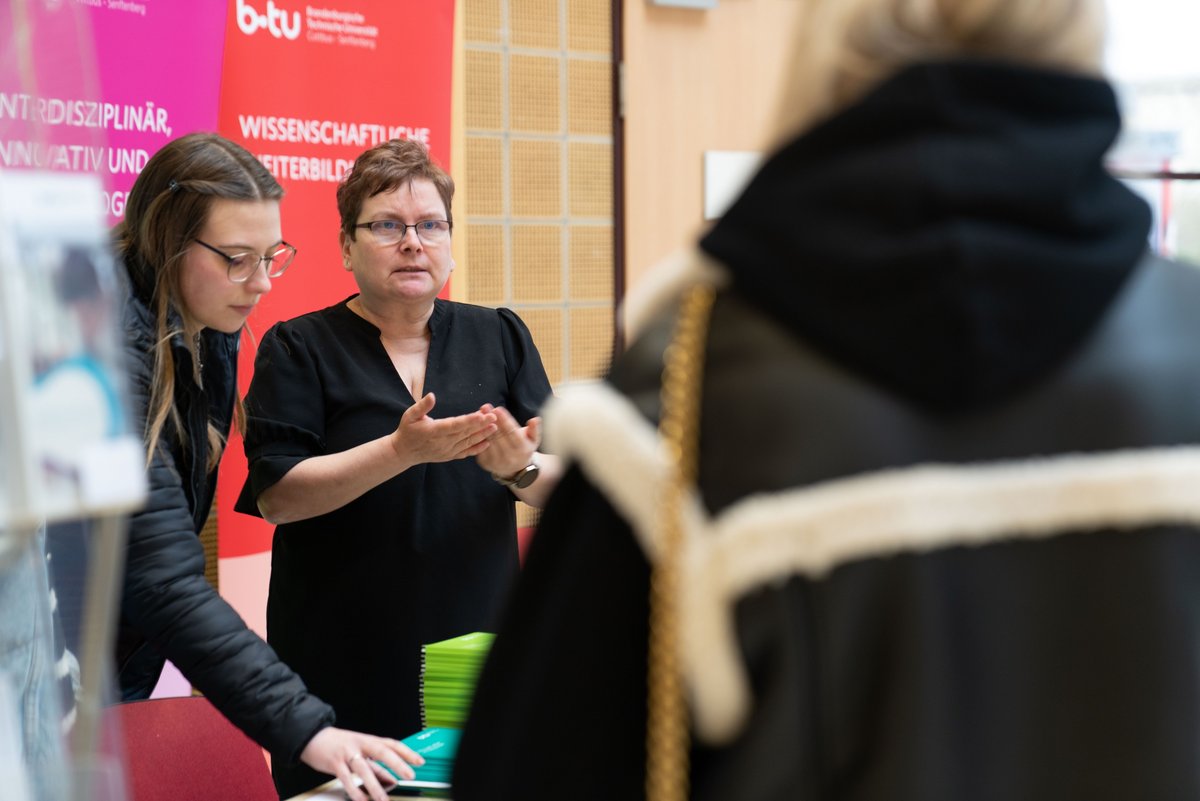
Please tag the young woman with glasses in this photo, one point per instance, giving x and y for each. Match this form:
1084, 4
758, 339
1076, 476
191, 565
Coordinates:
363, 421
201, 243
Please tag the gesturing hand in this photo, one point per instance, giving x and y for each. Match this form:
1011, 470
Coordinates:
512, 445
347, 754
421, 439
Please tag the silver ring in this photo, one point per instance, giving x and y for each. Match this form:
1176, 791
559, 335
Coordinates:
351, 759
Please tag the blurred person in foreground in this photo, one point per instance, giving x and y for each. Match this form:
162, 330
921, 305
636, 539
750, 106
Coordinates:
389, 437
201, 244
943, 543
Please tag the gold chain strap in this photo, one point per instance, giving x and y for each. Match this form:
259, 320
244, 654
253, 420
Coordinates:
667, 741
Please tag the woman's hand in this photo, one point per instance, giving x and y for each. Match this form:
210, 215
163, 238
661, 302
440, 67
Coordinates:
347, 754
511, 446
319, 484
420, 439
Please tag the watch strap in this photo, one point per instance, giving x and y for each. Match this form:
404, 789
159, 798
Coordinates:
520, 479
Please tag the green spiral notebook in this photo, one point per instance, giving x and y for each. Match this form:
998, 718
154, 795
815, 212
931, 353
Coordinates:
448, 672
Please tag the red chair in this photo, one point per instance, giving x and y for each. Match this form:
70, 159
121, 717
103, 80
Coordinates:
185, 750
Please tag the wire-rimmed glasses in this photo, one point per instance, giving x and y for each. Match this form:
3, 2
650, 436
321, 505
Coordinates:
241, 266
389, 232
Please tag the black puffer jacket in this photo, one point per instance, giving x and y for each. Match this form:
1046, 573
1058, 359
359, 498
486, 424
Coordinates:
945, 542
168, 609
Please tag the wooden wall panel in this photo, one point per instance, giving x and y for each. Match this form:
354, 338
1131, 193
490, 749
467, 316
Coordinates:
695, 80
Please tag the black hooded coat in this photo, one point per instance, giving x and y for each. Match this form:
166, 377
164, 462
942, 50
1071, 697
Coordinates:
949, 420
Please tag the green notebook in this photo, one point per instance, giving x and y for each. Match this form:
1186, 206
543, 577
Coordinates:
449, 670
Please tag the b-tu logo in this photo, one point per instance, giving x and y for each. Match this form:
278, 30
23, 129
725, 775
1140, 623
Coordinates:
275, 20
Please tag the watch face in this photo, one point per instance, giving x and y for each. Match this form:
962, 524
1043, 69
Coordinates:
527, 477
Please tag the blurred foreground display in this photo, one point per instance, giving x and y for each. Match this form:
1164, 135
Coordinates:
66, 451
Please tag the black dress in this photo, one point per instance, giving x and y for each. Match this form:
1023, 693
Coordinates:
426, 556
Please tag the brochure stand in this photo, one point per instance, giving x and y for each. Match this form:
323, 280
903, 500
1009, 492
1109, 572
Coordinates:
67, 450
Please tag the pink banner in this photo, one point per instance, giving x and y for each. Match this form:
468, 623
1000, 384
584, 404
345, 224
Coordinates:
99, 85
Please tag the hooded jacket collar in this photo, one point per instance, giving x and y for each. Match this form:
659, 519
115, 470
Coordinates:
952, 237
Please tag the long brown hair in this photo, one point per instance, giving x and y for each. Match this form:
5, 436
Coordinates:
168, 206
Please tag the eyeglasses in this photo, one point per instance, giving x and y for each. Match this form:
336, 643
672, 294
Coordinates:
389, 232
241, 267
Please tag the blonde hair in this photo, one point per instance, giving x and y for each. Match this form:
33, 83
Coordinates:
843, 48
168, 206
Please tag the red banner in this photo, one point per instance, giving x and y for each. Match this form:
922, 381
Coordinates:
306, 89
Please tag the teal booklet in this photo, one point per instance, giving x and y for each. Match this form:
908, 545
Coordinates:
438, 746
